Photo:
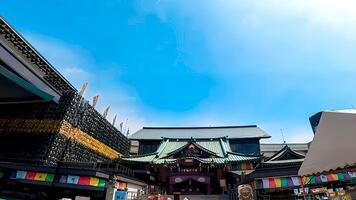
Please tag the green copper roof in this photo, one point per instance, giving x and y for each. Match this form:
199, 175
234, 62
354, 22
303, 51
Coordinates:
219, 146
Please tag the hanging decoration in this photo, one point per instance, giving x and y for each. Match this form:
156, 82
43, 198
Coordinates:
244, 166
32, 176
282, 182
82, 180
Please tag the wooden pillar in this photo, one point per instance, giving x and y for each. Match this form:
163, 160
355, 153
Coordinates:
170, 188
209, 188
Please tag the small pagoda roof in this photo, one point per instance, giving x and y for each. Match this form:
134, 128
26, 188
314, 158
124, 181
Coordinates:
218, 149
232, 132
286, 156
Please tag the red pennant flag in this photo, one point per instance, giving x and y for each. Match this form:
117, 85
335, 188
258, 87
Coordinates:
271, 183
84, 180
30, 175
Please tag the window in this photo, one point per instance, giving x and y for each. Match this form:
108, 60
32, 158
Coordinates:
246, 146
149, 148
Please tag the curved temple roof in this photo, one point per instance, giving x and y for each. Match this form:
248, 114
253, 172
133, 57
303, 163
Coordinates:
219, 146
156, 133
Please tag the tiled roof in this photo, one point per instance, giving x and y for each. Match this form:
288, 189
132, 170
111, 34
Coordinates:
286, 156
277, 147
24, 49
157, 133
219, 146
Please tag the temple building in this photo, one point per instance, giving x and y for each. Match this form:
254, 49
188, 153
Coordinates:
276, 177
195, 160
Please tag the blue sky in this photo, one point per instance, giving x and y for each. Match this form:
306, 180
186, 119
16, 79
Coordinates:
273, 63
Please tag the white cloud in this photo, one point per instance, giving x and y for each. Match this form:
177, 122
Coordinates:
70, 60
78, 66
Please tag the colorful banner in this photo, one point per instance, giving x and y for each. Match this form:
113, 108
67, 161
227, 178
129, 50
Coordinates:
121, 186
32, 176
244, 166
82, 180
282, 182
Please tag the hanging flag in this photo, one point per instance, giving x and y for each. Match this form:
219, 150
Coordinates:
271, 183
49, 178
318, 180
94, 181
72, 179
312, 180
277, 182
265, 183
259, 184
335, 177
295, 181
21, 174
341, 176
290, 182
13, 174
352, 175
305, 180
121, 126
84, 87
95, 100
121, 185
323, 178
84, 180
63, 179
40, 176
101, 183
284, 182
106, 112
114, 120
30, 175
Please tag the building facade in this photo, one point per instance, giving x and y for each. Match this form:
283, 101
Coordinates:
195, 160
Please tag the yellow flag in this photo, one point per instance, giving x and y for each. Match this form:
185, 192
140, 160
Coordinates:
84, 87
94, 181
121, 126
40, 176
95, 100
106, 111
277, 182
114, 120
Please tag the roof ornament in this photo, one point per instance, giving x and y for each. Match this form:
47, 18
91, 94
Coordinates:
84, 87
284, 141
106, 112
95, 100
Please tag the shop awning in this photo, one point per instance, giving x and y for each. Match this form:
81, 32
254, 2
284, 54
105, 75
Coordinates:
334, 142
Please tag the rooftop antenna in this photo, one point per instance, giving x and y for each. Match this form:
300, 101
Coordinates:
284, 141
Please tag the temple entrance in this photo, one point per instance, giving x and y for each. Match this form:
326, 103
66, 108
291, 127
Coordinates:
191, 187
197, 185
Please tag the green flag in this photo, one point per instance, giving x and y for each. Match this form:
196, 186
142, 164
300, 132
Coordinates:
284, 182
101, 183
341, 176
49, 177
